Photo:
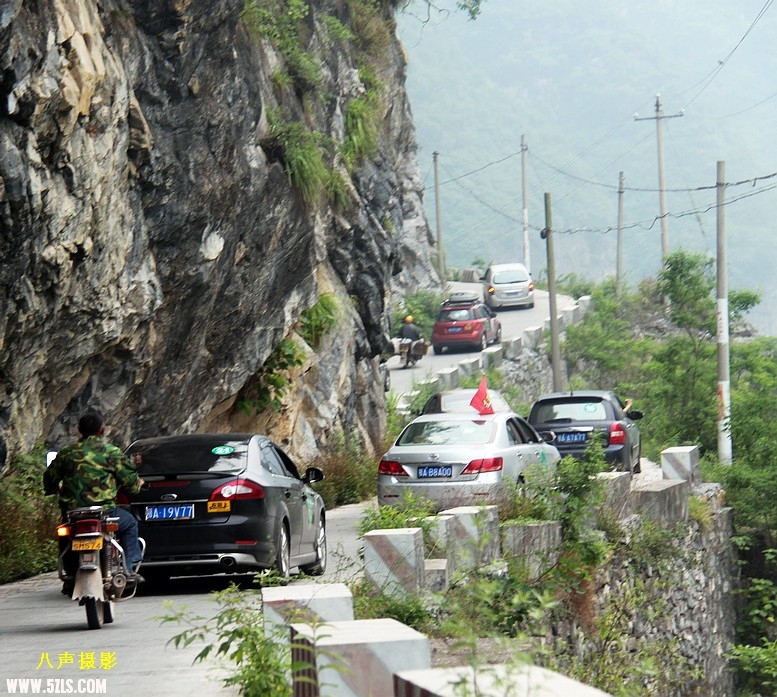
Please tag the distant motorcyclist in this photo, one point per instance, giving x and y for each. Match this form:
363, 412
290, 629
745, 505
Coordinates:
409, 330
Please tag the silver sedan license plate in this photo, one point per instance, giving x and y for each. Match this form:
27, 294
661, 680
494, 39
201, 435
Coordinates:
430, 472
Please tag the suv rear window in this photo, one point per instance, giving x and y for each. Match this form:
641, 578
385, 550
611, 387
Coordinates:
576, 410
455, 315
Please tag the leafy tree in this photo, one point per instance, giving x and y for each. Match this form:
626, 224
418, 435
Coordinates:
423, 306
602, 351
687, 281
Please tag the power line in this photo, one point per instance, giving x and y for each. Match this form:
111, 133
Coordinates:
480, 169
721, 64
613, 187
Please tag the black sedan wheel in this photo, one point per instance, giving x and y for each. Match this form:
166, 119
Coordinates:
318, 567
282, 553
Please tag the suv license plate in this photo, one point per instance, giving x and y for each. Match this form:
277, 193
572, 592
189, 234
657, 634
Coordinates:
571, 437
431, 472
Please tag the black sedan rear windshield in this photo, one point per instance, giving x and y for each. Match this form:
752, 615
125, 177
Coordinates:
572, 410
157, 456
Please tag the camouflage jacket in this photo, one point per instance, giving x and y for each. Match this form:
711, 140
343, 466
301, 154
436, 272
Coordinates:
91, 471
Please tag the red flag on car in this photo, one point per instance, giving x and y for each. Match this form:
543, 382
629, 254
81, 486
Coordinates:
480, 400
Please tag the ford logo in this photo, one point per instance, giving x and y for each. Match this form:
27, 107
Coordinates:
169, 497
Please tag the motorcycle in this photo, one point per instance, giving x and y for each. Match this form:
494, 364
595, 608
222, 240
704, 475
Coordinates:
93, 561
410, 352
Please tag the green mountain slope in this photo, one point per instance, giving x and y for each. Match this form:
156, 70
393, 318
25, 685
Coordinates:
571, 76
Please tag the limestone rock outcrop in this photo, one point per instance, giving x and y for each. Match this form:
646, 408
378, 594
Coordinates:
153, 250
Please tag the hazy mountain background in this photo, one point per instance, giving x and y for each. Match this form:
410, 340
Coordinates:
571, 76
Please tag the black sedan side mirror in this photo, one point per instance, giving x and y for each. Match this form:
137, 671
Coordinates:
548, 436
313, 474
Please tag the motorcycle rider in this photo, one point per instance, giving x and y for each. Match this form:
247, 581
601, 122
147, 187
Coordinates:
90, 472
409, 330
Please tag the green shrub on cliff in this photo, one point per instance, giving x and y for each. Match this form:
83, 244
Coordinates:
27, 519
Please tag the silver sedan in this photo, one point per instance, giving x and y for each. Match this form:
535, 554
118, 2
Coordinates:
459, 459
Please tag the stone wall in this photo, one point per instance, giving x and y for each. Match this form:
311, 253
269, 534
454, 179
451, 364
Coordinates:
665, 595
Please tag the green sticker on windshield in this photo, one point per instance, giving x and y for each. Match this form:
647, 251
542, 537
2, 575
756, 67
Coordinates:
223, 450
590, 407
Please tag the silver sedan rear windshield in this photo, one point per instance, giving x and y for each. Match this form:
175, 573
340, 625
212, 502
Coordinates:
516, 276
463, 432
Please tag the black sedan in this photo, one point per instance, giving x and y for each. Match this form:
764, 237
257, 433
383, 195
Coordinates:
226, 503
576, 416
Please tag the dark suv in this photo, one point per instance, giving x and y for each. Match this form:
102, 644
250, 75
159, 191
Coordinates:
576, 416
464, 320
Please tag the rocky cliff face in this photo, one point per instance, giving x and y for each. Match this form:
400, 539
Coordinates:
153, 251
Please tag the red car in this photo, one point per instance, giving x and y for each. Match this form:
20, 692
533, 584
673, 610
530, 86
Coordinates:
463, 320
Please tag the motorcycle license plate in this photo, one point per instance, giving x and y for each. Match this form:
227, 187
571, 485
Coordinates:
91, 544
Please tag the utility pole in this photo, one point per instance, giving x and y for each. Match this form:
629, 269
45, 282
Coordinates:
659, 117
440, 250
526, 252
619, 253
555, 348
724, 384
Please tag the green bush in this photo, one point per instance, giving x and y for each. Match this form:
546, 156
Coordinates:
281, 21
423, 306
319, 319
262, 661
272, 380
302, 153
361, 130
27, 519
370, 603
411, 513
351, 474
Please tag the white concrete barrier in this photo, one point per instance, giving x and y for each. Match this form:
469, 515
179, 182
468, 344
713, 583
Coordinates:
475, 535
354, 659
681, 462
394, 560
310, 602
490, 681
532, 337
491, 357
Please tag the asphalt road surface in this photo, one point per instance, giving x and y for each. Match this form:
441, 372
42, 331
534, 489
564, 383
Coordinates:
44, 635
514, 321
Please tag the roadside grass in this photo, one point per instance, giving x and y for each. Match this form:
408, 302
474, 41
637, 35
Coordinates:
27, 519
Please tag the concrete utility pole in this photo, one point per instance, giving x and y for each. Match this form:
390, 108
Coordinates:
724, 384
659, 117
526, 252
438, 217
619, 254
555, 347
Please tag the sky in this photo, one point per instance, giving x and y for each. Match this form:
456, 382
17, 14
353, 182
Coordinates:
571, 77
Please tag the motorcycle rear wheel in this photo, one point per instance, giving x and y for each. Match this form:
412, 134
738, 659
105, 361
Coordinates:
97, 613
